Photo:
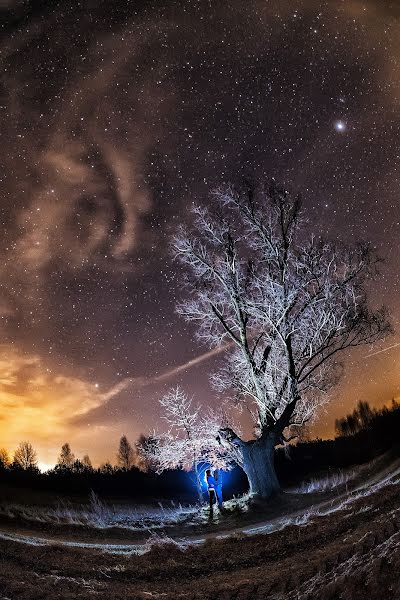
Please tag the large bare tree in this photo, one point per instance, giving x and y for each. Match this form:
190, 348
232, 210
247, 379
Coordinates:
288, 304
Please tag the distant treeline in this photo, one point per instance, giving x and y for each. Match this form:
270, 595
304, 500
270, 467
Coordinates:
113, 483
360, 437
130, 478
25, 459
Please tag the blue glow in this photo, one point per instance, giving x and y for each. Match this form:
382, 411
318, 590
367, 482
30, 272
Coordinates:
226, 476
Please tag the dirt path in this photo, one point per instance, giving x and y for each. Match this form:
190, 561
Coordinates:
351, 553
289, 509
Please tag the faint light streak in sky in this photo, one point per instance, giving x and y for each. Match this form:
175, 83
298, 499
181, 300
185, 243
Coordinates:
191, 363
383, 350
140, 382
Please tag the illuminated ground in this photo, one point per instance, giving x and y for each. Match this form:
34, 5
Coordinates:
345, 545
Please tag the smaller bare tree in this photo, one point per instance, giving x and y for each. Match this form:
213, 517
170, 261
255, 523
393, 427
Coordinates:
4, 458
66, 457
126, 454
87, 463
190, 440
25, 457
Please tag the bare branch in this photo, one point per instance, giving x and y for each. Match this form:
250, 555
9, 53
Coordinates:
291, 303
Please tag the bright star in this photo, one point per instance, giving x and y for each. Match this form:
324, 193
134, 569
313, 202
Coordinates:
340, 125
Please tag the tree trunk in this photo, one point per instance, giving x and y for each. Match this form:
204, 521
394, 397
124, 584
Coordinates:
198, 482
258, 464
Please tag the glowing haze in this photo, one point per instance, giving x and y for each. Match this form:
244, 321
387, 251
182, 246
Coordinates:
114, 119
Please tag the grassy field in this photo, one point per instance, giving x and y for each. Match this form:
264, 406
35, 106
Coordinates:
350, 549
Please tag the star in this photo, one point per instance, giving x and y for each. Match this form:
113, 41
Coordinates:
340, 126
94, 187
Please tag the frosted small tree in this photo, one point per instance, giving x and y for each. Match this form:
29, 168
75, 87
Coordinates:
149, 448
191, 438
145, 452
126, 454
66, 457
287, 303
25, 457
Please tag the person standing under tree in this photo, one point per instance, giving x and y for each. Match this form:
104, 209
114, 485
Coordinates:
211, 487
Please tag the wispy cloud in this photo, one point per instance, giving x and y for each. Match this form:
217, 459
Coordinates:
49, 408
37, 404
139, 383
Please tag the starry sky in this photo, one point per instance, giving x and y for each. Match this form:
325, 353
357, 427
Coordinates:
115, 117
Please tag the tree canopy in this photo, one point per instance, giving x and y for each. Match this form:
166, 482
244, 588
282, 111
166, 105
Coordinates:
284, 301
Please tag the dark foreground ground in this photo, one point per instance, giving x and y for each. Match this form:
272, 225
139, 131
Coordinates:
353, 552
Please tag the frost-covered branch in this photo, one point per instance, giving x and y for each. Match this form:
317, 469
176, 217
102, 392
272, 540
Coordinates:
192, 437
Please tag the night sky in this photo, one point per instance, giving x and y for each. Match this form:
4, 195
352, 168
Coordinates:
115, 117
